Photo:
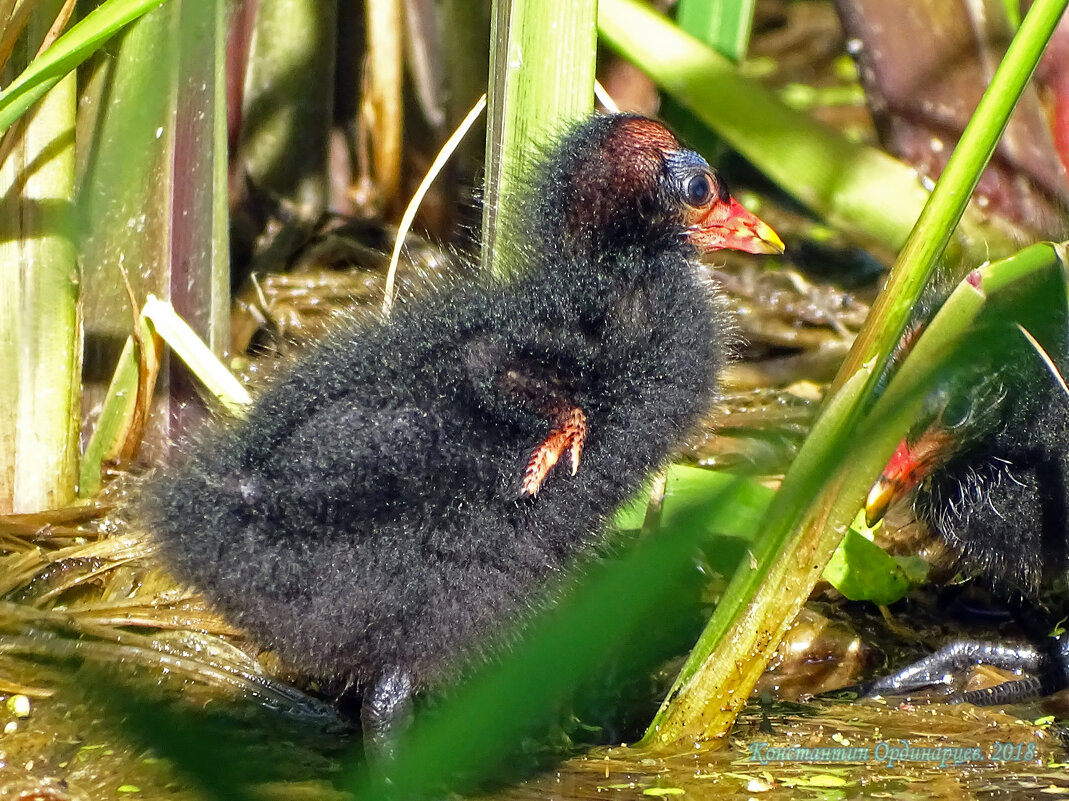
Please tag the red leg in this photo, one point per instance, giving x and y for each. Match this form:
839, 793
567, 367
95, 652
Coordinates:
565, 439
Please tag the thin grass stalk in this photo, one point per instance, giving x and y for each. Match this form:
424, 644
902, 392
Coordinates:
40, 327
199, 358
59, 24
541, 79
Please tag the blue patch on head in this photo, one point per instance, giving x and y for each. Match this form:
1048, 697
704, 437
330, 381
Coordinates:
683, 161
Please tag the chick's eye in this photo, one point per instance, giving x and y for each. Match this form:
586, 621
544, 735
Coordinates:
699, 190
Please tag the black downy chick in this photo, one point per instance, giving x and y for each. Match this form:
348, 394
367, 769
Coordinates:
400, 494
991, 480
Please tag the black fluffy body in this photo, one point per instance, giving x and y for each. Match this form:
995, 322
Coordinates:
1001, 502
366, 515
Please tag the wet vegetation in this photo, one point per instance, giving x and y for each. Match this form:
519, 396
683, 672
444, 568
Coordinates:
261, 203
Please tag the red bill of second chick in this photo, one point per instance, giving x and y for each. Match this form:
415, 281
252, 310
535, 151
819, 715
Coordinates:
990, 477
392, 501
989, 474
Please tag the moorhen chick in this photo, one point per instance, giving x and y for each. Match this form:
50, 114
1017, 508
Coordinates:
991, 480
402, 492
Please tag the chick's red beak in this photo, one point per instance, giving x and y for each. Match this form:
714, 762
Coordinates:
911, 464
727, 225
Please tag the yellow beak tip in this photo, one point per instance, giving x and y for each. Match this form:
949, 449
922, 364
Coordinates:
771, 239
878, 501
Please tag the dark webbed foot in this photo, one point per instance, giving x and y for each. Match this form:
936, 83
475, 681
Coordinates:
1047, 670
565, 439
952, 660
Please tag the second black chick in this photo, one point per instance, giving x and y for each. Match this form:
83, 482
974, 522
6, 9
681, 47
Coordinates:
399, 495
991, 482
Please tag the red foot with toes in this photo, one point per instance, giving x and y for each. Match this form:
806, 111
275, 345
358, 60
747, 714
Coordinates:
565, 439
